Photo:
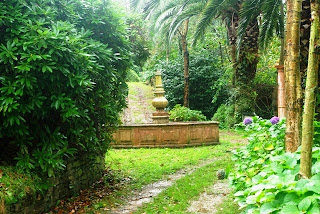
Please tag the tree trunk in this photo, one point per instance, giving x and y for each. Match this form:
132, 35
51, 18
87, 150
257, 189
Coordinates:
310, 96
232, 37
185, 63
292, 75
304, 37
246, 70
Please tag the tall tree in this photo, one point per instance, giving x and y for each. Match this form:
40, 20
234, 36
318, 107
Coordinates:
292, 75
245, 62
310, 98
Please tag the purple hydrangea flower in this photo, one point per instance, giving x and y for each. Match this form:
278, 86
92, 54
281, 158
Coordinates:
247, 121
274, 120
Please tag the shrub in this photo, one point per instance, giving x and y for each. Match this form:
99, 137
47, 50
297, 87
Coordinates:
277, 188
224, 116
63, 79
265, 140
267, 179
181, 113
204, 74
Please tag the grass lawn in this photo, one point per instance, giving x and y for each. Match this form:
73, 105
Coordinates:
145, 166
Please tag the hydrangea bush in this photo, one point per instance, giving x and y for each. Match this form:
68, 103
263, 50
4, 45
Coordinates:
266, 179
265, 140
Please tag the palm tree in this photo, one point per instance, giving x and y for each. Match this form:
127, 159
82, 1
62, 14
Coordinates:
246, 59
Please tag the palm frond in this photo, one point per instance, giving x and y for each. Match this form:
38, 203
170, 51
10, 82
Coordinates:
271, 21
212, 9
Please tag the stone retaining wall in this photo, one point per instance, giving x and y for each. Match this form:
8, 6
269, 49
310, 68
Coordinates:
167, 135
79, 174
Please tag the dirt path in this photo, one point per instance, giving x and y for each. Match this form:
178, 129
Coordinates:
139, 103
210, 199
147, 193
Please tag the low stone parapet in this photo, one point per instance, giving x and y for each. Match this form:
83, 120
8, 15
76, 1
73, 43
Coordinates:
167, 135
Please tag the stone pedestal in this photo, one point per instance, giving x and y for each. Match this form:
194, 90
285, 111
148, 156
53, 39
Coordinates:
159, 102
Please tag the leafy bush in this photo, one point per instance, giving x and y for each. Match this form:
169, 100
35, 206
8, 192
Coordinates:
265, 140
267, 179
224, 116
277, 188
132, 76
63, 79
181, 113
204, 74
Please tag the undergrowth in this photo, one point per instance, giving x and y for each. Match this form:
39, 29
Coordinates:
267, 179
16, 184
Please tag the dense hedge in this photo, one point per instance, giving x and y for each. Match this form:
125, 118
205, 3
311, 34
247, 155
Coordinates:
63, 65
205, 71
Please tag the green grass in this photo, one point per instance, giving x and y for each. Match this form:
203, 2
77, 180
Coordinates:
228, 206
145, 166
148, 165
176, 198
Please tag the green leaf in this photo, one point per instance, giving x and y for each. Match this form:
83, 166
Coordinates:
290, 208
304, 204
314, 208
267, 208
269, 147
293, 197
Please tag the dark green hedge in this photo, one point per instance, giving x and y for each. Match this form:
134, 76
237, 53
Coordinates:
205, 72
63, 68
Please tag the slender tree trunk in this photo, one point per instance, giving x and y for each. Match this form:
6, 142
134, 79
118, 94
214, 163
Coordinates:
232, 36
185, 63
304, 37
310, 98
292, 75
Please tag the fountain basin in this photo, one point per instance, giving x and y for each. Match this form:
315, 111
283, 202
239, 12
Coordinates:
172, 135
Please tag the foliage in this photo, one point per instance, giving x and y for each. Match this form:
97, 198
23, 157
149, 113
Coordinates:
278, 189
265, 140
181, 113
138, 40
224, 115
267, 179
15, 184
204, 88
63, 79
132, 76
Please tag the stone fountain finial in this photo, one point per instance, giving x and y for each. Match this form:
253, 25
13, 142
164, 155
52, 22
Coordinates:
159, 102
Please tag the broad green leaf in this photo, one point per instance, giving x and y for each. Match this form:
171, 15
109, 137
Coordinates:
290, 209
314, 208
304, 204
267, 208
291, 197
